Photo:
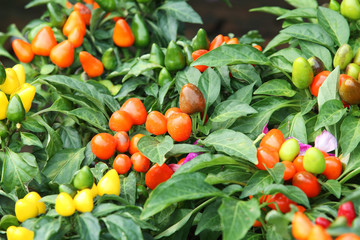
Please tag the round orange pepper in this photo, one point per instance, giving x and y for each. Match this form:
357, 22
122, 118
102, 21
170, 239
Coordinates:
74, 20
76, 37
63, 54
84, 11
122, 36
23, 50
301, 226
43, 42
91, 65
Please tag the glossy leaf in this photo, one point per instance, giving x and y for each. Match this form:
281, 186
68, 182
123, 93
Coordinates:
350, 134
331, 112
329, 88
257, 183
276, 87
155, 148
210, 85
231, 109
30, 139
89, 227
122, 227
313, 49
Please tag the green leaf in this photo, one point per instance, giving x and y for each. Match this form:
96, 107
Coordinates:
244, 94
334, 187
311, 49
98, 170
210, 85
277, 223
178, 188
89, 227
279, 39
155, 148
122, 227
181, 11
331, 112
289, 54
18, 169
232, 143
329, 89
334, 24
309, 32
246, 72
29, 139
46, 228
47, 69
349, 134
204, 161
277, 172
104, 209
299, 12
5, 53
292, 192
231, 109
210, 219
276, 87
91, 116
70, 137
169, 25
278, 11
303, 3
189, 75
229, 174
232, 54
140, 67
183, 148
237, 217
128, 188
62, 166
257, 183
296, 128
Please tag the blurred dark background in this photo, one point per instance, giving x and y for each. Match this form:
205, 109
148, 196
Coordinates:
217, 16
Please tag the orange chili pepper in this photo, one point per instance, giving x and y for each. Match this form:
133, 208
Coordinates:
95, 5
233, 41
68, 5
43, 42
226, 39
63, 54
301, 226
91, 65
23, 50
89, 1
84, 11
122, 36
319, 233
76, 37
218, 40
195, 55
258, 47
74, 20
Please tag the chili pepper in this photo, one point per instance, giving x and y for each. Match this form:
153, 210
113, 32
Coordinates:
343, 56
258, 47
195, 55
352, 70
63, 54
84, 201
74, 20
218, 40
20, 73
316, 64
23, 51
84, 11
107, 5
334, 5
64, 205
226, 39
322, 222
25, 209
34, 198
19, 233
347, 210
68, 5
57, 17
108, 59
43, 42
109, 183
357, 57
3, 128
164, 77
76, 37
68, 188
15, 111
4, 105
123, 36
174, 57
94, 191
349, 91
302, 73
350, 9
91, 65
156, 55
188, 54
83, 178
233, 41
26, 94
141, 33
301, 226
200, 41
11, 83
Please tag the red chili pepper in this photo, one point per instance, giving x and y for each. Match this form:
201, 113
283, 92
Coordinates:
195, 55
218, 40
347, 210
322, 222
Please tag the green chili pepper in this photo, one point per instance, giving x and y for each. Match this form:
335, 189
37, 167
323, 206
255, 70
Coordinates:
15, 111
164, 77
200, 41
334, 5
174, 57
3, 129
343, 56
108, 59
141, 33
83, 179
302, 73
188, 54
156, 55
57, 16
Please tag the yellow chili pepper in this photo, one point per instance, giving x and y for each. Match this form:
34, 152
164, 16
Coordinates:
25, 209
4, 102
11, 83
19, 233
26, 94
64, 205
109, 183
20, 72
84, 201
34, 197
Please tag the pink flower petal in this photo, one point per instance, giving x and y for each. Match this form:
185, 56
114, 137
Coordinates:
326, 142
191, 156
265, 129
174, 166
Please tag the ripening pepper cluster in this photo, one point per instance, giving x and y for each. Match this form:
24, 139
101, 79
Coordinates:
29, 207
299, 168
304, 229
16, 95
